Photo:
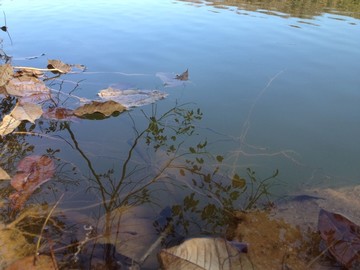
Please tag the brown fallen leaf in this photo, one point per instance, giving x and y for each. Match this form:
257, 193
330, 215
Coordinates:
26, 111
28, 72
106, 108
342, 238
6, 72
4, 175
25, 86
204, 253
59, 113
8, 124
42, 262
61, 67
183, 76
32, 171
13, 246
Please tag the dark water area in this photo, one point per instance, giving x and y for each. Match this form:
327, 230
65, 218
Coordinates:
271, 104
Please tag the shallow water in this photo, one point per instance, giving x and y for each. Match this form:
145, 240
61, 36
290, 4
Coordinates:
277, 84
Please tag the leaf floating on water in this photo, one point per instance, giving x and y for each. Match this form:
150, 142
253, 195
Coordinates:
32, 171
25, 86
173, 80
27, 111
342, 238
106, 108
132, 97
8, 125
183, 76
61, 67
30, 72
6, 72
205, 253
4, 175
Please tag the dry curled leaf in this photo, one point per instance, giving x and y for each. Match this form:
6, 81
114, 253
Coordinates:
6, 72
106, 108
4, 175
8, 124
31, 72
205, 253
342, 238
183, 76
26, 111
61, 67
25, 86
173, 80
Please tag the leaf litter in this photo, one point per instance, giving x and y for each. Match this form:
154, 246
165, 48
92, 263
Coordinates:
25, 84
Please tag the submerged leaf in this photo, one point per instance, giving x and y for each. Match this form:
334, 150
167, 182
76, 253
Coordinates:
58, 113
13, 246
6, 72
25, 86
106, 108
238, 182
132, 97
130, 230
8, 125
342, 238
205, 253
27, 111
4, 175
42, 262
32, 171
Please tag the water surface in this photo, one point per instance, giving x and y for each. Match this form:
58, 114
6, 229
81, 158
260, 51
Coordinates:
277, 85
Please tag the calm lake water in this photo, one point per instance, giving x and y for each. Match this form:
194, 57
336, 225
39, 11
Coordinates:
277, 83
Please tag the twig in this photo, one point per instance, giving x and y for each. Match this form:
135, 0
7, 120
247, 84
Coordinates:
44, 224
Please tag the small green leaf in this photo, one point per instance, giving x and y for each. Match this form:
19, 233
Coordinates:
192, 150
234, 195
238, 182
219, 158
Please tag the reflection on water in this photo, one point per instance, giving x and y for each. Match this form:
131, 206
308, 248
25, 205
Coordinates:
161, 186
260, 97
288, 8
